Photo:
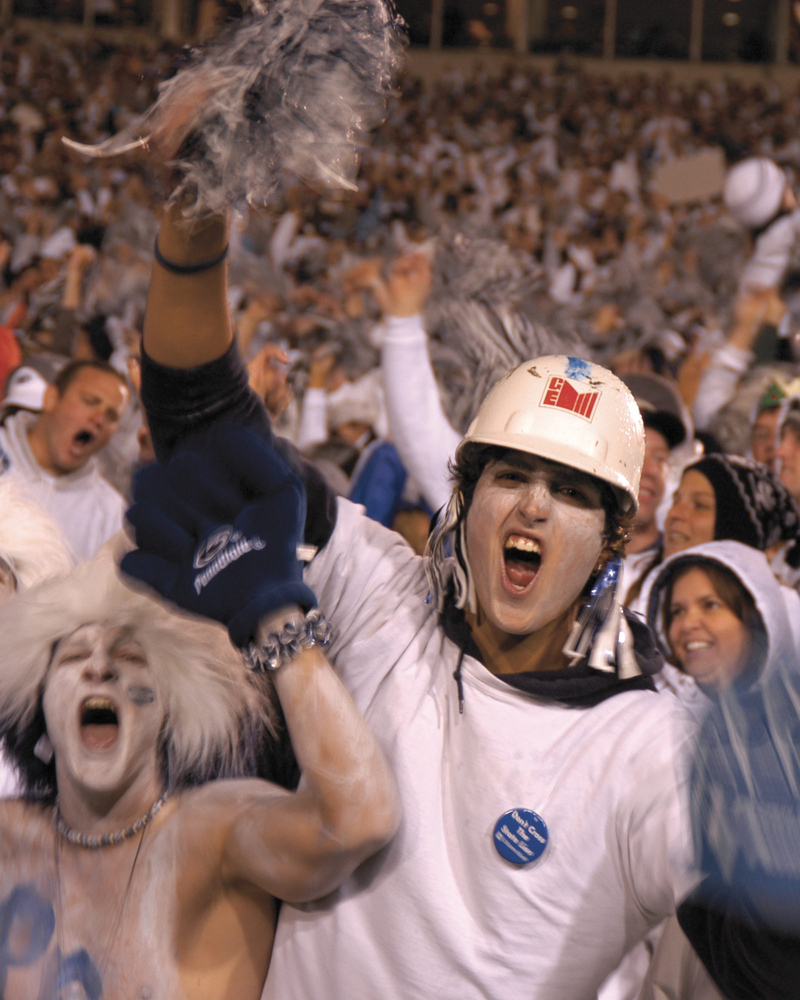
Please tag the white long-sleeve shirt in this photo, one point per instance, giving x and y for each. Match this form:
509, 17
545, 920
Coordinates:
422, 434
770, 261
718, 383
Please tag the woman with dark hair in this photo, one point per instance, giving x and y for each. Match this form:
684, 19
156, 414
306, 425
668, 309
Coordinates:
723, 497
714, 632
720, 616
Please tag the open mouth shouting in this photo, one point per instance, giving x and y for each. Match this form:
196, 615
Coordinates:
81, 442
522, 557
99, 723
534, 532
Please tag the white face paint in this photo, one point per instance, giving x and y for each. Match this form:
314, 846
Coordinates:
534, 535
102, 710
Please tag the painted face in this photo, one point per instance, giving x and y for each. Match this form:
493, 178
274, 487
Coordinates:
764, 435
654, 475
788, 455
709, 642
692, 518
534, 534
80, 422
102, 710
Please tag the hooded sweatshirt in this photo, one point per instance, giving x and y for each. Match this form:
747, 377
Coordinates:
779, 607
676, 970
87, 508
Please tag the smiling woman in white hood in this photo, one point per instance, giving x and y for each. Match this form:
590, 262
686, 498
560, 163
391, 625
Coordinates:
721, 616
707, 646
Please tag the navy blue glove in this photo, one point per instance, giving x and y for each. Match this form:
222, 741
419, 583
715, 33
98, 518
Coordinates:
217, 531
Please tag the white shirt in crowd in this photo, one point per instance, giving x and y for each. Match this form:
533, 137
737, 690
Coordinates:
88, 509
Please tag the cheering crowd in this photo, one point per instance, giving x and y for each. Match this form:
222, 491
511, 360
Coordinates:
533, 599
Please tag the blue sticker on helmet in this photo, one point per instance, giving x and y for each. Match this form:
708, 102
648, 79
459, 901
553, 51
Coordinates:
520, 836
577, 368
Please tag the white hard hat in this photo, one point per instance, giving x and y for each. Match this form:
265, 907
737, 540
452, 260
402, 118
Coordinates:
569, 411
25, 389
754, 190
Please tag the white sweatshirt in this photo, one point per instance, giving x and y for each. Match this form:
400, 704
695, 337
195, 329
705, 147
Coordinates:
439, 912
88, 509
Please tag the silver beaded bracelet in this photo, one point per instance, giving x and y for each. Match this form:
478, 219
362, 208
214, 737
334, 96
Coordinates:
280, 648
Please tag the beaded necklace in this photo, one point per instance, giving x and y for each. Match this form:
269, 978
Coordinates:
93, 843
106, 839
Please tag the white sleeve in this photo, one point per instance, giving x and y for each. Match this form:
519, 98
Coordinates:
313, 428
422, 434
770, 261
369, 583
718, 383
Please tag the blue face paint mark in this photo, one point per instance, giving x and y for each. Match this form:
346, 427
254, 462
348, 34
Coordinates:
27, 922
578, 369
141, 695
78, 968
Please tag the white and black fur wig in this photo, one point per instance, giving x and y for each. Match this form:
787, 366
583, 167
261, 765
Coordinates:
294, 85
31, 541
218, 715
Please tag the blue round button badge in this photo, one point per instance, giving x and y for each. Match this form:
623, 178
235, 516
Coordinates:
520, 836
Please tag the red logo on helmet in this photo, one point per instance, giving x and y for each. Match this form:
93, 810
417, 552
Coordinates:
560, 392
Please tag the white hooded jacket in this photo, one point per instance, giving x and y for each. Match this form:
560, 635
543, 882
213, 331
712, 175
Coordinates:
676, 971
779, 607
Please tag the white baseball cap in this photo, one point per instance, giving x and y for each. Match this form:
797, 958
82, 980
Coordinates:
25, 389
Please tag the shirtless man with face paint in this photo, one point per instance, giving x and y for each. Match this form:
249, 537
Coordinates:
126, 873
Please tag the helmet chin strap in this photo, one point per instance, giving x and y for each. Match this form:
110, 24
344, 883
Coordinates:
463, 568
601, 632
446, 560
443, 560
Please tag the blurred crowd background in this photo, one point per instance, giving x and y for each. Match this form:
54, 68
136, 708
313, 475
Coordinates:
589, 201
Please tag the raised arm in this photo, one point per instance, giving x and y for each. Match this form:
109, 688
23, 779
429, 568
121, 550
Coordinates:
730, 363
422, 434
300, 846
187, 322
217, 531
192, 375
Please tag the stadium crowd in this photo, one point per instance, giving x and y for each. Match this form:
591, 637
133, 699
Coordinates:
494, 220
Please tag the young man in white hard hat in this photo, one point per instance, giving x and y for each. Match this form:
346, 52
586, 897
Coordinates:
545, 827
543, 831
